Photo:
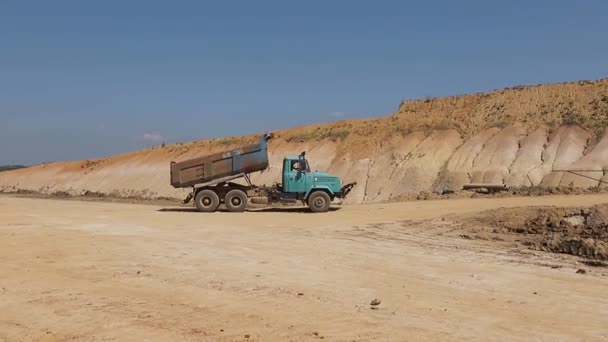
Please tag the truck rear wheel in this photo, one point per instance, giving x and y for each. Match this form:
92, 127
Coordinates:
319, 202
236, 200
206, 201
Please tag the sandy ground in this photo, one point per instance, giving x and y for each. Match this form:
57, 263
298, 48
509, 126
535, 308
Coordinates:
90, 271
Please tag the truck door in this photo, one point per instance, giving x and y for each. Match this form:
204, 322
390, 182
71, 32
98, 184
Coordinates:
295, 177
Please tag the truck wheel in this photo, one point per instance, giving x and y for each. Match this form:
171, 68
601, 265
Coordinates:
319, 202
206, 201
236, 200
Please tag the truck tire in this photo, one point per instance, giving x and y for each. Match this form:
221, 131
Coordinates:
206, 201
319, 202
236, 200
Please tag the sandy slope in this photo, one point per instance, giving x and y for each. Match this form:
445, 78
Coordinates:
417, 162
513, 136
102, 272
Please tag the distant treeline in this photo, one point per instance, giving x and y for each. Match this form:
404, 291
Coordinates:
11, 167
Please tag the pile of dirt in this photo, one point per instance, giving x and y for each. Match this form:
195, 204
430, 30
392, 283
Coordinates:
524, 191
545, 191
581, 232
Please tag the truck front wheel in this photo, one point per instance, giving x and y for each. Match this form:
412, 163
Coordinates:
319, 202
236, 200
206, 201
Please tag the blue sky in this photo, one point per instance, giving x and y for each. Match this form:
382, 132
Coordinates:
84, 79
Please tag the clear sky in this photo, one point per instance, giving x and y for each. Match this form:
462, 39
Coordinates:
84, 79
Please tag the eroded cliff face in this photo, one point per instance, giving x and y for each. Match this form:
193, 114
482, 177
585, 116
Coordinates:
436, 161
411, 151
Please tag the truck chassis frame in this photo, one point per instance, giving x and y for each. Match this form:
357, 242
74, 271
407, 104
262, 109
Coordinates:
225, 192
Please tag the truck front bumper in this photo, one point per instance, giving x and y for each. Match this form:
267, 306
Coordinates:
345, 190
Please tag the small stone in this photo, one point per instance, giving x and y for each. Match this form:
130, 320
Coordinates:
581, 271
300, 294
375, 302
247, 336
138, 272
575, 221
535, 292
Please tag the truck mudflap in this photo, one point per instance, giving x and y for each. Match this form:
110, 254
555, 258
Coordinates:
188, 198
345, 190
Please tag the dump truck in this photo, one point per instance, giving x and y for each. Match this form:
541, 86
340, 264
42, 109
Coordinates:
212, 179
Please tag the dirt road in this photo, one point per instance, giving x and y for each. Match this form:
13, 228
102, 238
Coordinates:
105, 271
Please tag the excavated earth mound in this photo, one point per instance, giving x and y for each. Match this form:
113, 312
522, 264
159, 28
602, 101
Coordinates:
581, 232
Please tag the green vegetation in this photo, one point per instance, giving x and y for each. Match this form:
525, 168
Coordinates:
403, 130
321, 133
238, 140
519, 87
230, 141
573, 118
11, 167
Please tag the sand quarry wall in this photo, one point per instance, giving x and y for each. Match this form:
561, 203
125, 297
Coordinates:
401, 165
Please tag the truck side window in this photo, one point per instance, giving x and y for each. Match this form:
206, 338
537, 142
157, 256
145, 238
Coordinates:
296, 165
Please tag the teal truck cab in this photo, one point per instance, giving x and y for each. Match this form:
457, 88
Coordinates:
314, 188
211, 180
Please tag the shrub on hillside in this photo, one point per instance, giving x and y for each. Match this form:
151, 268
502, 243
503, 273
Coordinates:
11, 167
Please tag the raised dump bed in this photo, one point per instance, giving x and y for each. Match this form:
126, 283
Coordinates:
221, 166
